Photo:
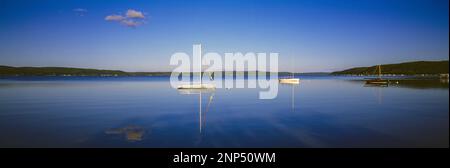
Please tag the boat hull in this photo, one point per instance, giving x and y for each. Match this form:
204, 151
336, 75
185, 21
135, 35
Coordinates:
289, 81
197, 86
377, 82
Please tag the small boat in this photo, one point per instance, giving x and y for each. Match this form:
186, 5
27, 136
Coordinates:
200, 85
378, 81
197, 86
289, 80
195, 91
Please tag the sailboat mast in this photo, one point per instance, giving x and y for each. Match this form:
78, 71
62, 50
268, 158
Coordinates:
379, 71
293, 67
201, 73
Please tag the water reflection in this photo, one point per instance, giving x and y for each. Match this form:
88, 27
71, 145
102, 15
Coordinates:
293, 85
378, 89
411, 83
131, 132
200, 92
376, 85
334, 112
423, 84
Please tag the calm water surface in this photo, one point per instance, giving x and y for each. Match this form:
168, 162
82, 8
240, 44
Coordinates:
147, 112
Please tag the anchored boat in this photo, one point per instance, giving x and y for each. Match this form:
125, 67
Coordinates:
289, 80
378, 81
197, 86
200, 85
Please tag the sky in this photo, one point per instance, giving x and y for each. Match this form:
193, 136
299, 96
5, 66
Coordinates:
141, 35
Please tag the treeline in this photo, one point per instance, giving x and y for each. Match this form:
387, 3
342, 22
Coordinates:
64, 71
406, 68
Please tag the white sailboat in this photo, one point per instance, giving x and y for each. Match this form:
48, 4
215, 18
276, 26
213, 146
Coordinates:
197, 86
197, 69
200, 85
289, 80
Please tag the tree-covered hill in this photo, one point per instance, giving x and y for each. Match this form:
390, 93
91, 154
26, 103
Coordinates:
64, 71
406, 68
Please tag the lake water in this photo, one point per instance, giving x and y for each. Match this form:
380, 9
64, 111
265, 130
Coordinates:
147, 112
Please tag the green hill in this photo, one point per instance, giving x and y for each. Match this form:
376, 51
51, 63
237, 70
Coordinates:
54, 71
406, 68
64, 71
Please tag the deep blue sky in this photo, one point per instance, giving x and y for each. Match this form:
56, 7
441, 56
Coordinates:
318, 35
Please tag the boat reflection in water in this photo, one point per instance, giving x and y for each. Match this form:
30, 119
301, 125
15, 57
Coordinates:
377, 83
374, 83
293, 82
132, 133
200, 92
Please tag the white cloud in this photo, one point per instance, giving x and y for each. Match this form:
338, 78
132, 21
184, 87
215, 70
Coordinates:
114, 18
131, 23
134, 14
132, 18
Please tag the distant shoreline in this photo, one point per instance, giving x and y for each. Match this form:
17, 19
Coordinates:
82, 72
417, 69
